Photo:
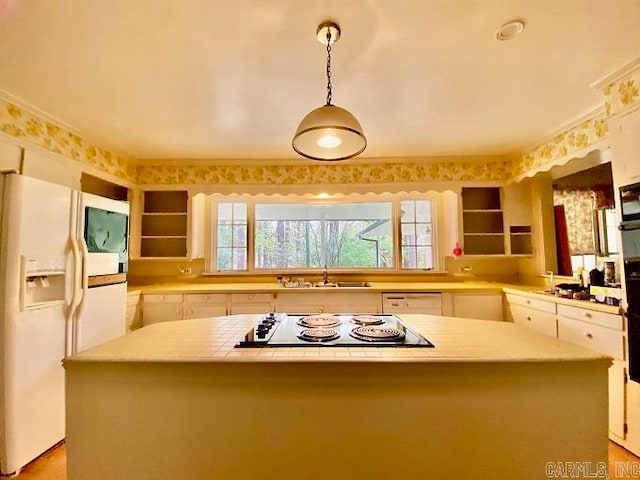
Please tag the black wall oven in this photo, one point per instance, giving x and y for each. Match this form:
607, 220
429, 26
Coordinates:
632, 280
630, 236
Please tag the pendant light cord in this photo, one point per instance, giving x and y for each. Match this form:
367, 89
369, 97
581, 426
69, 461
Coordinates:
329, 86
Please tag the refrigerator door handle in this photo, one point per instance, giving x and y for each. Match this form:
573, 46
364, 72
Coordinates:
83, 297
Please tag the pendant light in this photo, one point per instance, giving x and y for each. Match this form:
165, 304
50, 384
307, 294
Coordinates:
329, 133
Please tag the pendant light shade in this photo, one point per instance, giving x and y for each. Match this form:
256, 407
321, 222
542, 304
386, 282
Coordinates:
329, 133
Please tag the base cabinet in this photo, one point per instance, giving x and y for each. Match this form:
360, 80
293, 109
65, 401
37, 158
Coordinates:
483, 306
599, 331
538, 315
251, 303
172, 307
328, 302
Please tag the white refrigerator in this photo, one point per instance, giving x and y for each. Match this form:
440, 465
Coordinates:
59, 294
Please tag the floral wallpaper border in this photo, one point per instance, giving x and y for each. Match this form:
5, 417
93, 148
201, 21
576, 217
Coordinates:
384, 173
623, 93
571, 143
20, 123
589, 134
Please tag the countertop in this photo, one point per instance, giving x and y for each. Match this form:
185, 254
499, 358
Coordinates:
455, 340
374, 287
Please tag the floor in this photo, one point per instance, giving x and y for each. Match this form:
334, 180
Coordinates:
52, 465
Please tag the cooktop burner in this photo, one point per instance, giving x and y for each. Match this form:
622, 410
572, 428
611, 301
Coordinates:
367, 320
375, 333
332, 330
313, 321
318, 334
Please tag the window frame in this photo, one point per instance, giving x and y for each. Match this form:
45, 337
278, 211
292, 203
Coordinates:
213, 200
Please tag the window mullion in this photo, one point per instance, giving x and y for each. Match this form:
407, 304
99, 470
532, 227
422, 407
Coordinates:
250, 241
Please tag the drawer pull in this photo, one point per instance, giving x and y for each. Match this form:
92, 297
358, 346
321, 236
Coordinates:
586, 314
587, 334
528, 318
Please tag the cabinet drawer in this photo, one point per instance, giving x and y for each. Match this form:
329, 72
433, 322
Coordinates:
602, 339
204, 310
251, 297
206, 298
541, 322
251, 307
161, 312
608, 320
161, 298
542, 305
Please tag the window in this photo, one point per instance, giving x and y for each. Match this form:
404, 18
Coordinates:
231, 236
416, 239
357, 235
259, 234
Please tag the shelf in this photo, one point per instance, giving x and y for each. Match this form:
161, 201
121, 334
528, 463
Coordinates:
164, 224
166, 201
481, 210
484, 235
484, 198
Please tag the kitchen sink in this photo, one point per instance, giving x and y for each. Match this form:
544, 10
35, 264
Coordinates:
353, 284
341, 285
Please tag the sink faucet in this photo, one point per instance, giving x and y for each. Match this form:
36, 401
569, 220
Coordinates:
325, 275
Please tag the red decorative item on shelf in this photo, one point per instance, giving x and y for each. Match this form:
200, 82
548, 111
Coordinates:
457, 251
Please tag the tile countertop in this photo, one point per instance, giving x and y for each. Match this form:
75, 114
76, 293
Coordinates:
391, 287
455, 340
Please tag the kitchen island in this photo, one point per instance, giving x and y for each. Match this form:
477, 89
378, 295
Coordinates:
177, 400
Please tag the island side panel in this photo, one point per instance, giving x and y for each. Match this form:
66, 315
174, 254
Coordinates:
339, 420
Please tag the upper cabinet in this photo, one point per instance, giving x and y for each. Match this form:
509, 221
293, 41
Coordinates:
626, 148
493, 229
482, 221
164, 224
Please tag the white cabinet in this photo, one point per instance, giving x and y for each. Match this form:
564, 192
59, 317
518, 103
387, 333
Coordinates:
356, 302
484, 306
251, 303
538, 315
171, 307
627, 147
603, 332
328, 302
600, 331
161, 308
427, 303
595, 330
202, 305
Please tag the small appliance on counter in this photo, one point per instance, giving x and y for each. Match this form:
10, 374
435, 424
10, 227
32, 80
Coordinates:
606, 295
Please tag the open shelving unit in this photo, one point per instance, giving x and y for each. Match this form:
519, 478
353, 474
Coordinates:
483, 221
164, 224
520, 240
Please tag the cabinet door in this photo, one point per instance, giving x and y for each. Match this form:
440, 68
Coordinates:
352, 302
298, 302
204, 310
251, 307
161, 312
541, 322
629, 146
486, 306
617, 390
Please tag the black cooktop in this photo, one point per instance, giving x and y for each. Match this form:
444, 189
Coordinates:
332, 330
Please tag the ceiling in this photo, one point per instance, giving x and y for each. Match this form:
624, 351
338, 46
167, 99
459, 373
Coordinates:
223, 80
